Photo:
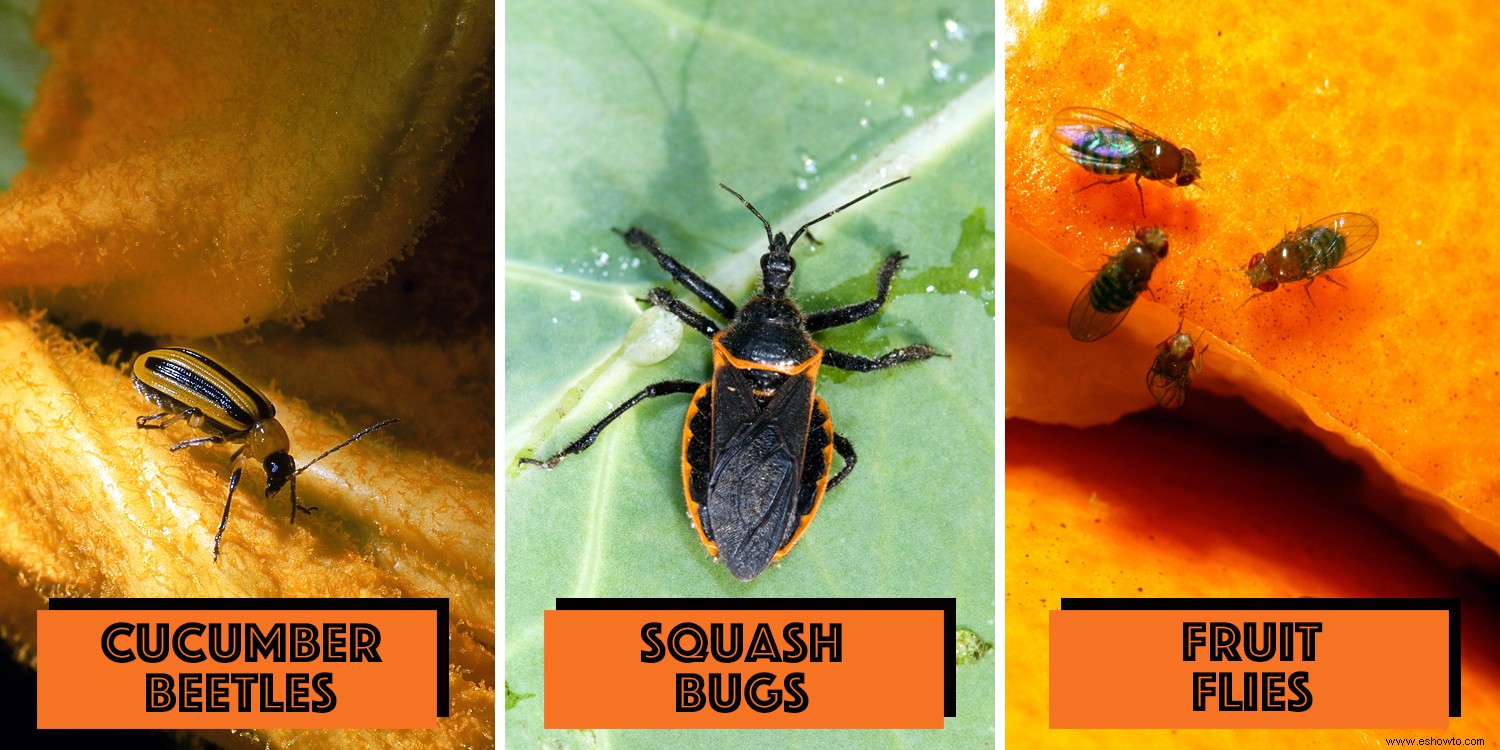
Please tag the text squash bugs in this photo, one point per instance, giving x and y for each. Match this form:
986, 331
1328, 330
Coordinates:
193, 388
758, 443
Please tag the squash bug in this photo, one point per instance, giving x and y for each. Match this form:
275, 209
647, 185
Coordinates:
758, 443
194, 388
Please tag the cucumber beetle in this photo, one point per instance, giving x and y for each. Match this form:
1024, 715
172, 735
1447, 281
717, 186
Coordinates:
757, 444
1177, 359
1108, 144
1105, 301
1306, 252
195, 389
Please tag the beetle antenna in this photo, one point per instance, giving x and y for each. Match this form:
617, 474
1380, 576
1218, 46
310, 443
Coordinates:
799, 232
356, 436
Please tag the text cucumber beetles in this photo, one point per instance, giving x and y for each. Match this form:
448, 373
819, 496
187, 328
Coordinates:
195, 389
758, 443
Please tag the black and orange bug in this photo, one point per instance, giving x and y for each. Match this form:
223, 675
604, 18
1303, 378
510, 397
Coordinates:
1177, 359
1105, 301
193, 388
1108, 144
758, 443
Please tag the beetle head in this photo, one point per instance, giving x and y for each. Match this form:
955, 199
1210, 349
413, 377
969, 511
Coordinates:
280, 467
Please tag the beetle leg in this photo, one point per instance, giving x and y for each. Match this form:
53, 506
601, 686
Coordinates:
856, 363
144, 422
637, 237
663, 388
234, 481
846, 451
847, 314
198, 441
694, 319
296, 506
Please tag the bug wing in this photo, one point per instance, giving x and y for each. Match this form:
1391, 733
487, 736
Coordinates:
1086, 322
1073, 125
755, 484
1168, 391
1359, 231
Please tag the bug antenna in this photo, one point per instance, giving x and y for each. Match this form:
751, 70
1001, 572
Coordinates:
799, 232
355, 437
763, 221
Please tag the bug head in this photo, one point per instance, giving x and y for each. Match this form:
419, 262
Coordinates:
776, 266
280, 468
1260, 275
1153, 239
1188, 173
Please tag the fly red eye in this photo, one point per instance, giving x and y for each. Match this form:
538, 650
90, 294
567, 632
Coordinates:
1268, 286
1256, 260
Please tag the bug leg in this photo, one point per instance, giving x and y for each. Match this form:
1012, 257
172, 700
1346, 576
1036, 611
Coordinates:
145, 422
198, 441
856, 363
1121, 178
234, 481
663, 388
694, 319
637, 237
847, 314
846, 451
296, 506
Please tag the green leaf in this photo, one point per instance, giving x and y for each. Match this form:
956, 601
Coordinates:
21, 63
622, 115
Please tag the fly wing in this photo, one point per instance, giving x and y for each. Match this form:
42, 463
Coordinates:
1359, 232
755, 482
1169, 392
1098, 140
1086, 321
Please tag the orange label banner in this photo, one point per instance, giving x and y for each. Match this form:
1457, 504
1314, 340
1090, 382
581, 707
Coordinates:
242, 663
1282, 663
818, 664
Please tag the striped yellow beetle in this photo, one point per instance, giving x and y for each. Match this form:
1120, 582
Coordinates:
194, 388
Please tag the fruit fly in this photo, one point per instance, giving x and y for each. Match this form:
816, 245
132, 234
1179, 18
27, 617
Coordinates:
1105, 300
1177, 359
1328, 243
1110, 145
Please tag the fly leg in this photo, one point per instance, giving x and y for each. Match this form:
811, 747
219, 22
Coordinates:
637, 237
847, 314
581, 444
1121, 178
